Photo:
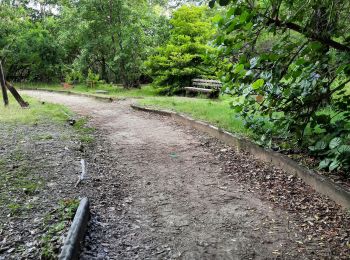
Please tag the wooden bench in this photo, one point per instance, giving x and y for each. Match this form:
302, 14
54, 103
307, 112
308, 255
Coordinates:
101, 92
207, 86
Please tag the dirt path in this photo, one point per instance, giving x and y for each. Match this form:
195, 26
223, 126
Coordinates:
165, 197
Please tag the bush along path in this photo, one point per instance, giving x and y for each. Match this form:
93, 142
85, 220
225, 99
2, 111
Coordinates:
164, 191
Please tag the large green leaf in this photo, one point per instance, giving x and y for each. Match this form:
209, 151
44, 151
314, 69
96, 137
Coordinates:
239, 68
344, 149
335, 142
334, 165
258, 84
320, 145
324, 164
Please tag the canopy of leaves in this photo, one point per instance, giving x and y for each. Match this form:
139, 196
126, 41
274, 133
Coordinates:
53, 40
27, 46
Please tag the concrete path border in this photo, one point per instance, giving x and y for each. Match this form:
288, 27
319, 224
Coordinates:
76, 233
68, 92
318, 182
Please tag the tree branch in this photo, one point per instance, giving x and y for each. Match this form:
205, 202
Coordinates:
299, 29
342, 85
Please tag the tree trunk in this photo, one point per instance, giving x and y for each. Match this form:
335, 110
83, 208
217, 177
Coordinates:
3, 86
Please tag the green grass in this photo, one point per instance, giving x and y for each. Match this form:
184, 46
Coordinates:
217, 112
37, 112
17, 184
113, 90
20, 181
85, 132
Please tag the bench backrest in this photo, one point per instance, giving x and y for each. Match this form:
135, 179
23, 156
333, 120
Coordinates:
206, 83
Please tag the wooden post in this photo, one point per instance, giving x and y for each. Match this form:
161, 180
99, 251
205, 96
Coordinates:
3, 86
16, 95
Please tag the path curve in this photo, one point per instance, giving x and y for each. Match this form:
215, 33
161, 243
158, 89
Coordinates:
175, 203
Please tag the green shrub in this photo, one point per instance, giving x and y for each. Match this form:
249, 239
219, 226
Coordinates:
74, 77
187, 54
93, 80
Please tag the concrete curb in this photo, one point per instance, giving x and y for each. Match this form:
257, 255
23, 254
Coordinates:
318, 182
71, 247
68, 92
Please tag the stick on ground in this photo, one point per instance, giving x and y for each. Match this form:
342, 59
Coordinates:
83, 172
16, 95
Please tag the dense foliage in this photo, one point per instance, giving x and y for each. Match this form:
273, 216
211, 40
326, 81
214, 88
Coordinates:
187, 54
290, 67
28, 47
63, 40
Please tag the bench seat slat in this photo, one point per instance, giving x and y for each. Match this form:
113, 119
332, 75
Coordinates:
204, 90
206, 84
206, 80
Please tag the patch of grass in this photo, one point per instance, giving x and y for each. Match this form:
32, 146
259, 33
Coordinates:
19, 179
85, 132
36, 113
44, 137
112, 90
55, 223
14, 208
17, 183
217, 112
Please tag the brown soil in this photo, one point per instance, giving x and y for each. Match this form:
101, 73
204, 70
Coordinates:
161, 191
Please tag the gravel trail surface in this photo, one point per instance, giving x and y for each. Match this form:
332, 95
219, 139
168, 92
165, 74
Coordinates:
162, 191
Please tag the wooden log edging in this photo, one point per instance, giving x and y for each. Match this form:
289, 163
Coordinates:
76, 233
321, 184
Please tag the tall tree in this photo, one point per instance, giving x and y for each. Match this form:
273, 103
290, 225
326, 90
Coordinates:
187, 53
27, 44
114, 36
